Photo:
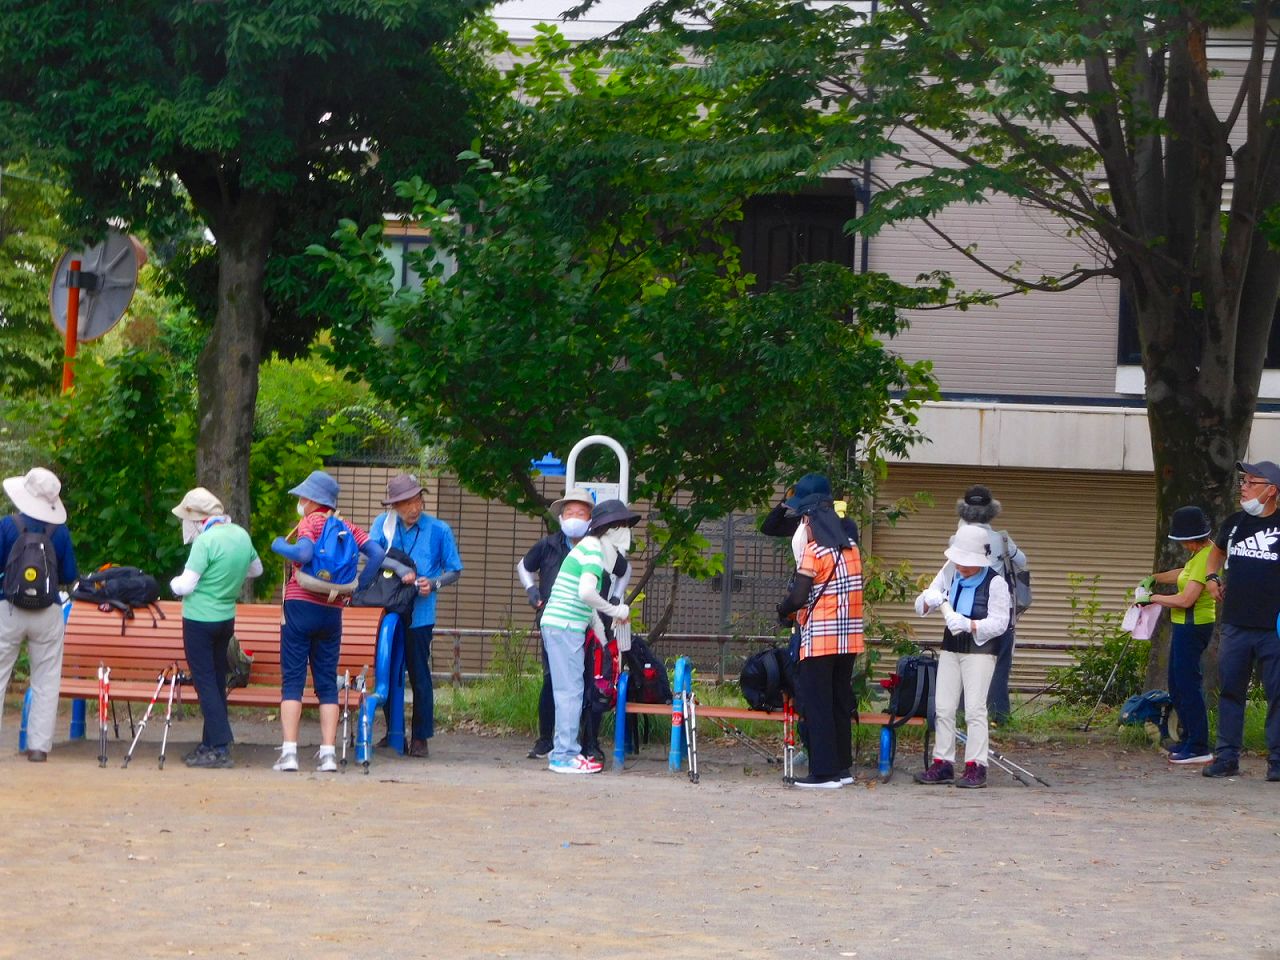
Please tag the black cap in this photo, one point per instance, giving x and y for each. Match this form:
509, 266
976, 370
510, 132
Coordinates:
607, 513
1189, 523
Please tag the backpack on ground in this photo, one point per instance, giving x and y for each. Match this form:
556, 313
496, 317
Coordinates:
1019, 580
1154, 706
333, 569
602, 680
31, 570
124, 589
239, 664
766, 677
911, 687
648, 683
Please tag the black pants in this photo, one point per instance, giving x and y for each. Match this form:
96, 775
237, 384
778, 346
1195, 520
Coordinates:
206, 647
826, 692
546, 701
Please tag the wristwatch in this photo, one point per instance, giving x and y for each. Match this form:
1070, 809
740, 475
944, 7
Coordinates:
1213, 577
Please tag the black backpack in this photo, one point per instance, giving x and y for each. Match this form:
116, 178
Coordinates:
911, 689
648, 683
31, 571
765, 677
120, 588
388, 591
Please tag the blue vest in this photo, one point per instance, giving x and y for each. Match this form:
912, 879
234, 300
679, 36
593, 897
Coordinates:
963, 642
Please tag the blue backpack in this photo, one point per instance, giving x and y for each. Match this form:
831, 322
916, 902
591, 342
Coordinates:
1153, 706
334, 565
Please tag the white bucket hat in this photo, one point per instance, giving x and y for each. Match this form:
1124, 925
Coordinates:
36, 495
576, 495
199, 504
970, 547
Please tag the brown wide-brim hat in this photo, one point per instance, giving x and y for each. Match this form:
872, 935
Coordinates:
576, 495
402, 487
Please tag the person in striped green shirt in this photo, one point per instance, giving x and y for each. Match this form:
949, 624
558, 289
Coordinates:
575, 598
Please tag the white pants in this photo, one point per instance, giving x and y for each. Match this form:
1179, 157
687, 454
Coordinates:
970, 672
43, 630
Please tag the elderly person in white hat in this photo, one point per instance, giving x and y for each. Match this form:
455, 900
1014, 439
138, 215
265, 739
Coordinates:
428, 542
39, 557
974, 600
573, 512
222, 556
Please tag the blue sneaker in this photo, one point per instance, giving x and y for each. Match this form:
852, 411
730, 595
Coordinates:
578, 764
1189, 756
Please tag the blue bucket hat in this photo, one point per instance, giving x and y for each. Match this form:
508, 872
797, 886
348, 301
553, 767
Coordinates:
809, 491
320, 487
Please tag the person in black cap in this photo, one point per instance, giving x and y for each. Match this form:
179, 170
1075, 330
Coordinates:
1247, 548
1193, 612
784, 521
978, 508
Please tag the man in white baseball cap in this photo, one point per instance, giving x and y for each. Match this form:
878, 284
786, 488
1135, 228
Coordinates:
38, 557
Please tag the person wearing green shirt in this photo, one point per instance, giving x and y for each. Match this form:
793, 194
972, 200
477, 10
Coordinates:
222, 556
1193, 611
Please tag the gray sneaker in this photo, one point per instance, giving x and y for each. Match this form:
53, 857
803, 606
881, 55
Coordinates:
215, 758
288, 763
325, 763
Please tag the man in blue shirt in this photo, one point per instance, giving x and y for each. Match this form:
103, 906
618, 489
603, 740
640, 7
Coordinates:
429, 543
34, 614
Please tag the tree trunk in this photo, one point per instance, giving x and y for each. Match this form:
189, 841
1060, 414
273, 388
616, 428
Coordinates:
228, 365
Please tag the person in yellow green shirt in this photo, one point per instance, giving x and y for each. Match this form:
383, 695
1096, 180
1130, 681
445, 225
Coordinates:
1193, 611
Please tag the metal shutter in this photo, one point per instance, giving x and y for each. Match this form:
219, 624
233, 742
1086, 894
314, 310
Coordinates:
1066, 522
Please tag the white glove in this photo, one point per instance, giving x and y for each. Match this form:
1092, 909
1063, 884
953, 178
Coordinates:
620, 612
934, 597
1141, 594
922, 605
957, 623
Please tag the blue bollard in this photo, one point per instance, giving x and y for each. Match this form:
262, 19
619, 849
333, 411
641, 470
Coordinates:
620, 724
675, 758
887, 737
22, 729
77, 720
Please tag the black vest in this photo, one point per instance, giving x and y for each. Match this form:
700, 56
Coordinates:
963, 642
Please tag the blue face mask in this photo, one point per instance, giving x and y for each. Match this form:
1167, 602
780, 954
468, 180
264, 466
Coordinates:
575, 528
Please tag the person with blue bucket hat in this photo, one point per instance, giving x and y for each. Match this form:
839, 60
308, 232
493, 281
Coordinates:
312, 629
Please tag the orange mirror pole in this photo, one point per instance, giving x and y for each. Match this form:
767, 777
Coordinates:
73, 323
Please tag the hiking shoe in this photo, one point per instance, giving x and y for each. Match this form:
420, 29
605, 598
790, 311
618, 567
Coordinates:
578, 764
325, 763
288, 763
818, 783
846, 777
1189, 756
199, 751
975, 776
212, 758
540, 750
418, 748
1273, 771
939, 772
37, 756
1222, 767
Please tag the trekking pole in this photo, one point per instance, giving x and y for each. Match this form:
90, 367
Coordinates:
145, 717
174, 680
1107, 686
691, 725
1018, 773
104, 696
346, 716
788, 740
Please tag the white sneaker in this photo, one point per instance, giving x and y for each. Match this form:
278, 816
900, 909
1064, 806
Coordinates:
578, 764
288, 763
325, 763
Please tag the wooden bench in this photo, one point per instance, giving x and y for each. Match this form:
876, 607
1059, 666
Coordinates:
139, 654
682, 682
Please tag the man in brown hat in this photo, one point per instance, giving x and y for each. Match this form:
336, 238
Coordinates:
38, 558
429, 543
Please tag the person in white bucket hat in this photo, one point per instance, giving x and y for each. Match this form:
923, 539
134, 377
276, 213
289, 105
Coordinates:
38, 558
222, 556
974, 600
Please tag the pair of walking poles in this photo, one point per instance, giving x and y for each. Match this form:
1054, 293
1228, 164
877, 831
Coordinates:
345, 683
170, 675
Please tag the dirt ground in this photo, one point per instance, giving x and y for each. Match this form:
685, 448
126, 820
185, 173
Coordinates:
478, 852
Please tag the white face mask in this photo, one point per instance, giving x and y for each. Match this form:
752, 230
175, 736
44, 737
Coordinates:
191, 529
799, 539
1253, 507
575, 528
302, 512
619, 538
